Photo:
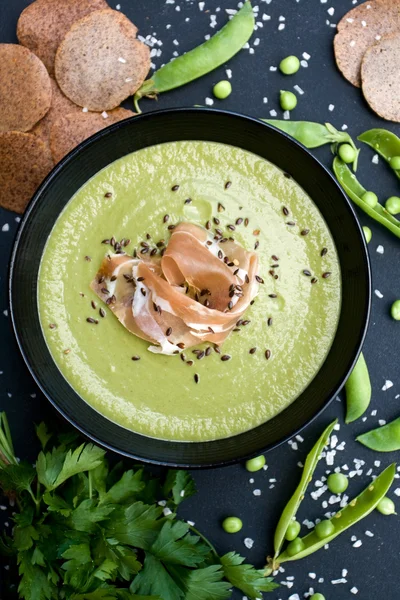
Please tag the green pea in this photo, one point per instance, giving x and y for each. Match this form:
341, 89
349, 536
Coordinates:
347, 153
255, 464
295, 547
317, 596
324, 529
288, 100
367, 233
337, 483
289, 65
370, 198
395, 162
292, 531
232, 524
386, 507
392, 205
222, 90
395, 310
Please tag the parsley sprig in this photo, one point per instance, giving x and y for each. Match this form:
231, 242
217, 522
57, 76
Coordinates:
86, 531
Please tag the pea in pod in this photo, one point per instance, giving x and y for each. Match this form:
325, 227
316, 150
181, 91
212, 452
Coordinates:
292, 506
201, 60
358, 391
356, 510
383, 439
313, 135
384, 142
355, 192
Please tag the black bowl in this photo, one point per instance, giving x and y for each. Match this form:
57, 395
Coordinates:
166, 126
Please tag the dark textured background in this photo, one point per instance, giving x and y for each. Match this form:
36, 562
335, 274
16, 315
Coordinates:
374, 567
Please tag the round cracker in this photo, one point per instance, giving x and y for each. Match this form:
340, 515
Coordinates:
25, 88
359, 29
380, 77
100, 62
60, 105
70, 130
24, 162
44, 23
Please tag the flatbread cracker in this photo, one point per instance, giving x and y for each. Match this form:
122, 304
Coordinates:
380, 77
70, 130
24, 162
25, 88
44, 23
60, 105
100, 62
359, 29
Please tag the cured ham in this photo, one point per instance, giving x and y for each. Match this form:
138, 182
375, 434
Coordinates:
195, 292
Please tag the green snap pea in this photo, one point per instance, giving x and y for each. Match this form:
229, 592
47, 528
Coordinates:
289, 65
292, 531
295, 547
392, 205
324, 529
255, 464
355, 192
383, 439
232, 524
395, 310
313, 135
201, 60
347, 153
386, 507
222, 89
356, 510
358, 391
288, 100
370, 198
292, 506
317, 596
385, 143
367, 234
337, 483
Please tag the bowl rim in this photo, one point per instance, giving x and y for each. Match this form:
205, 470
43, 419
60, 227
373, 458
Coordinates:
74, 422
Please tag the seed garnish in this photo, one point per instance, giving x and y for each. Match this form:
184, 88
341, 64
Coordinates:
253, 350
231, 227
268, 354
246, 222
108, 195
259, 279
169, 331
102, 313
239, 221
256, 245
314, 280
190, 363
175, 188
208, 225
181, 345
211, 330
272, 295
67, 351
91, 320
230, 305
183, 356
304, 232
196, 378
285, 211
324, 251
326, 275
104, 290
216, 221
144, 250
107, 241
166, 218
87, 258
221, 207
228, 184
188, 200
171, 227
94, 305
135, 357
153, 252
307, 272
52, 326
269, 322
291, 223
143, 291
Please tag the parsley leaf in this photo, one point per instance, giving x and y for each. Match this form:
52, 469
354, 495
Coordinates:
180, 484
136, 525
34, 584
245, 577
175, 545
87, 514
56, 467
154, 579
202, 584
57, 504
17, 478
24, 537
125, 489
43, 434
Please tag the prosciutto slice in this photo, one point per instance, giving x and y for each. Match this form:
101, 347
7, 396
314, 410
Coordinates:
195, 292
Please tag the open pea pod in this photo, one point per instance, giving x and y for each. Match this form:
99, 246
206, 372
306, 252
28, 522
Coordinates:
383, 439
355, 191
356, 510
292, 506
358, 390
384, 142
204, 58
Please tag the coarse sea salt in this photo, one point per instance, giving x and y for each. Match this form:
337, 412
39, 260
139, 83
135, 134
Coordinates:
354, 590
378, 293
248, 542
387, 385
380, 249
5, 227
369, 533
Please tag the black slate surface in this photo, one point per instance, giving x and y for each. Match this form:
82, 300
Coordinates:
372, 568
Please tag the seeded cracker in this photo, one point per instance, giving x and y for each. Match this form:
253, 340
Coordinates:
24, 162
44, 23
25, 88
380, 77
70, 130
359, 29
100, 62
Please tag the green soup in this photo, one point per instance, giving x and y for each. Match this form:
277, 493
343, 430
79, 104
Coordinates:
157, 395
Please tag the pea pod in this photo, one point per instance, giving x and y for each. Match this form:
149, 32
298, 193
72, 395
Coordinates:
355, 191
358, 391
292, 506
203, 59
313, 135
356, 510
383, 439
384, 142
